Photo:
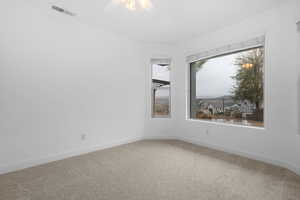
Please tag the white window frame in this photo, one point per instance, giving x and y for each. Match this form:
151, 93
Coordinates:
160, 61
225, 50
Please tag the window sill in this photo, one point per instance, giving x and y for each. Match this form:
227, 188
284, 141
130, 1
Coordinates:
226, 124
161, 117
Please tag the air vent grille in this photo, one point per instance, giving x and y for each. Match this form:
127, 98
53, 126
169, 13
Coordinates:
59, 9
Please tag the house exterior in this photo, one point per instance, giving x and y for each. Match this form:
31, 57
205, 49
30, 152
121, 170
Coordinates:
222, 104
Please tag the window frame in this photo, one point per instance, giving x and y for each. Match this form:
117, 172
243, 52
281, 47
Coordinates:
219, 52
167, 62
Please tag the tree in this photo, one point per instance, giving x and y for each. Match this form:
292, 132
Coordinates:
249, 79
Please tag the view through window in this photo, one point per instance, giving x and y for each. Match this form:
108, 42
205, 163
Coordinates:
161, 90
229, 88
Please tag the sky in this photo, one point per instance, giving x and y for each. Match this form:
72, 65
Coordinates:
214, 78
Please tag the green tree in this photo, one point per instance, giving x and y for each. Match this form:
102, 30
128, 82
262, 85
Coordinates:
249, 79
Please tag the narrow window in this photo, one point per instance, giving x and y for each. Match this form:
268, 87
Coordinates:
229, 88
160, 89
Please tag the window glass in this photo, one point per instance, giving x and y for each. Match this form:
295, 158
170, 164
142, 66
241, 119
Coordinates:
229, 88
160, 90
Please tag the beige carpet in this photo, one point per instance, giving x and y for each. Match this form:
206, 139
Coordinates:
152, 170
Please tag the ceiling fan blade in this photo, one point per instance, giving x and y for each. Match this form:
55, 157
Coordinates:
132, 5
145, 4
118, 1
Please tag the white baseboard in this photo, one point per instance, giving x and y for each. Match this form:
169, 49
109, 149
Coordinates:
55, 157
50, 158
160, 137
243, 154
292, 168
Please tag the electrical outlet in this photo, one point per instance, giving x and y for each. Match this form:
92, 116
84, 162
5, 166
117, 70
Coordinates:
83, 137
207, 132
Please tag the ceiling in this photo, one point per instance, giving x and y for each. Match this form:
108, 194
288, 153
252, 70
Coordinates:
168, 21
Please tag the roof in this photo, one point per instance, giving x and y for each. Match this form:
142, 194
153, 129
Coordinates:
160, 83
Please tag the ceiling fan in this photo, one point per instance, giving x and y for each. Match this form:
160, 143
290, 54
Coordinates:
133, 5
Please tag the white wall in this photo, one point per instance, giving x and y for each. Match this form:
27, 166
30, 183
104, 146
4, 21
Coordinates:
279, 142
298, 66
59, 79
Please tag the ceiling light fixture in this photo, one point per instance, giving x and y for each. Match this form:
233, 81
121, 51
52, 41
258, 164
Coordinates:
135, 4
247, 66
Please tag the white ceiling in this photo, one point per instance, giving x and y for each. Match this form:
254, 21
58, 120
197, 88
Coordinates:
169, 20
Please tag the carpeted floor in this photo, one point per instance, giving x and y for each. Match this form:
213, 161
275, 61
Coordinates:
152, 170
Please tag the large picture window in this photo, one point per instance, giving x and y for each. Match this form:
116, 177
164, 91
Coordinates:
161, 90
229, 88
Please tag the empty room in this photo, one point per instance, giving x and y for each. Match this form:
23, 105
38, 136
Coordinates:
150, 100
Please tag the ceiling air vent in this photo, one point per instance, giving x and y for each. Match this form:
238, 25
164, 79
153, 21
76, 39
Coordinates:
59, 9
